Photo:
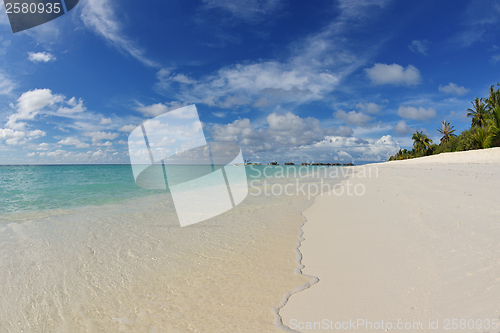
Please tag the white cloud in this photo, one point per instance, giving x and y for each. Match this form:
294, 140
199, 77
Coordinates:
158, 108
452, 88
127, 128
344, 156
411, 112
7, 133
349, 149
29, 105
97, 136
75, 107
43, 146
479, 18
495, 58
57, 153
38, 104
63, 156
401, 129
393, 74
73, 142
358, 9
370, 108
6, 85
13, 137
105, 121
344, 131
240, 84
41, 57
251, 11
233, 102
107, 144
36, 134
101, 155
183, 79
313, 69
419, 46
219, 114
353, 117
283, 132
99, 15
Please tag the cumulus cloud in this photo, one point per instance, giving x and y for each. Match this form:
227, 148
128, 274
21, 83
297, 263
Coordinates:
411, 112
64, 156
419, 46
342, 131
283, 131
40, 57
350, 149
452, 88
74, 107
158, 108
294, 138
393, 74
370, 108
43, 102
401, 129
29, 105
36, 134
13, 137
353, 117
240, 84
73, 142
43, 146
105, 121
98, 136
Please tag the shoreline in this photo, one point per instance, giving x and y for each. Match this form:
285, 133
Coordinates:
298, 271
129, 266
377, 260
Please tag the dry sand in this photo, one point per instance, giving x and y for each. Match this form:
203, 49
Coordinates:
422, 245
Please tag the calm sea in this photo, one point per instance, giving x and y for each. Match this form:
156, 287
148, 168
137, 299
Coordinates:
34, 188
45, 187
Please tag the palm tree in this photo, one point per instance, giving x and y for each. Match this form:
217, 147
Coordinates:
421, 142
493, 123
447, 131
478, 112
482, 138
493, 99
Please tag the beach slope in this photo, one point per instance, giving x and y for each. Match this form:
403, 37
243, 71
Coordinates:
418, 249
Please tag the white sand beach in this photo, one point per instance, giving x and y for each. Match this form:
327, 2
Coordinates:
420, 246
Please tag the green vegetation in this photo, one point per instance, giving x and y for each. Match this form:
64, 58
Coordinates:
483, 133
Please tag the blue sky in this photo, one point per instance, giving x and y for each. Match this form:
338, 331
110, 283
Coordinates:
286, 80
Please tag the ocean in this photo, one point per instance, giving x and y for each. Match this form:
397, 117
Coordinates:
84, 249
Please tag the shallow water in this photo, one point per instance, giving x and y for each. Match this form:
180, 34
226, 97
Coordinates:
129, 267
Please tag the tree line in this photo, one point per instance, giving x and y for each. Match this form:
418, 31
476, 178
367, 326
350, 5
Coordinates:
483, 133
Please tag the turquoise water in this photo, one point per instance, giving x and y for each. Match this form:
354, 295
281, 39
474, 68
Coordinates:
129, 266
36, 188
44, 187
